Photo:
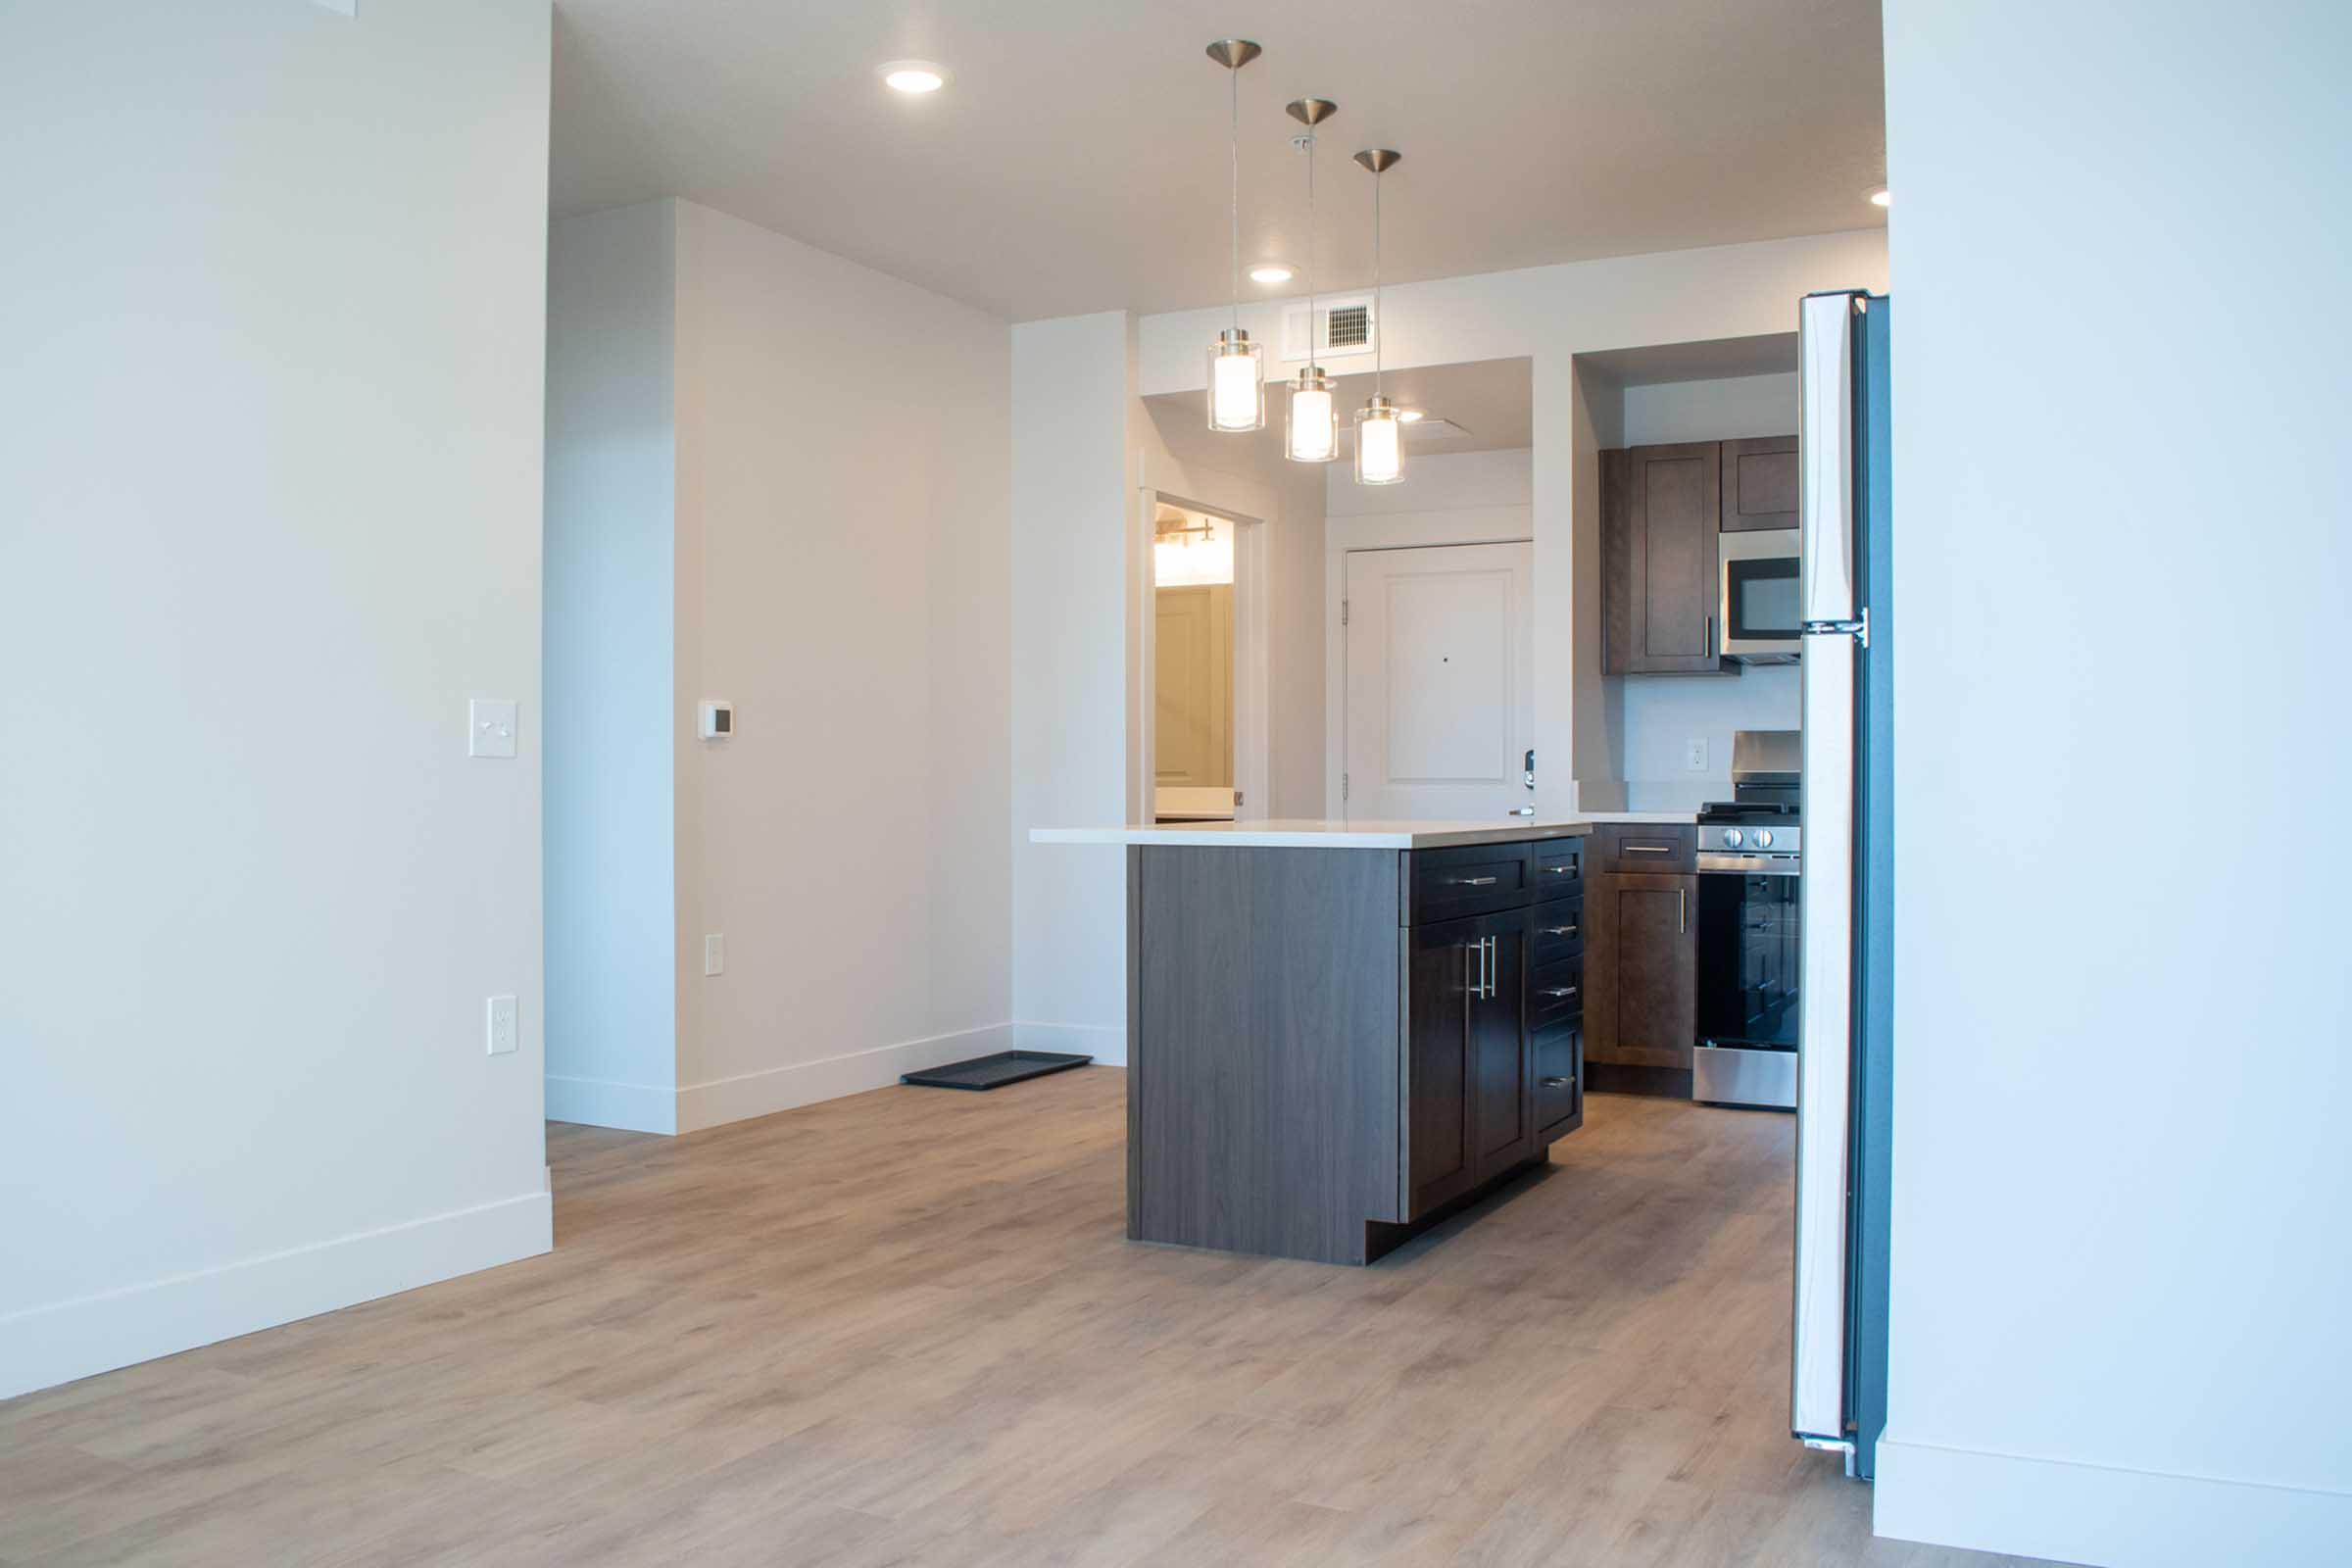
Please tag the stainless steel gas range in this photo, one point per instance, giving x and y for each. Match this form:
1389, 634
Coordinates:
1748, 928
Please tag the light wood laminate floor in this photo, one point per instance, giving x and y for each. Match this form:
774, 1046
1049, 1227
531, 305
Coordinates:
907, 1327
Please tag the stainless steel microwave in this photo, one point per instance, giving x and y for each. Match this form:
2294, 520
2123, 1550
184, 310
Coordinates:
1759, 610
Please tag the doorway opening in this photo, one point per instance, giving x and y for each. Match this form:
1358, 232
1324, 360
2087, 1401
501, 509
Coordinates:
1205, 661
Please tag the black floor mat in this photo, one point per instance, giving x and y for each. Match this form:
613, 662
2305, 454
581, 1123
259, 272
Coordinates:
995, 1071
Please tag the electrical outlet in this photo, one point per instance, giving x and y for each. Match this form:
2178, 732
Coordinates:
1694, 754
714, 954
503, 1030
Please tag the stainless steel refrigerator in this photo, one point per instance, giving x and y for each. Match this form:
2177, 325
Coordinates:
1837, 1383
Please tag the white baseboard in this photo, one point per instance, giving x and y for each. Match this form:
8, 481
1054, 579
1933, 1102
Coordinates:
57, 1344
2088, 1513
804, 1083
647, 1109
601, 1102
1109, 1047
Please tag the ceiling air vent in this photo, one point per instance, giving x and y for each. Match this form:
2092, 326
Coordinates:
1343, 327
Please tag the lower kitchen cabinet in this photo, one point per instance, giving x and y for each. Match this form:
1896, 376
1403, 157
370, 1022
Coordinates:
1643, 961
1468, 1089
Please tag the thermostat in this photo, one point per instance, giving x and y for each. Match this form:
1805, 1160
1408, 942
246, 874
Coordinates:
717, 720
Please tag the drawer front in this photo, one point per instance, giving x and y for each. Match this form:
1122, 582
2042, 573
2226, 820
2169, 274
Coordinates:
1662, 851
1560, 871
1556, 994
1559, 1063
1559, 931
1447, 884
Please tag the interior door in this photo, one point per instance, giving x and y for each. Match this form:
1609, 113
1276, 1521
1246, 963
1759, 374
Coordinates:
1192, 687
1441, 707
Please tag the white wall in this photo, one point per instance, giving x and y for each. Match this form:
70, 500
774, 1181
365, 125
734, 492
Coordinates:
1660, 714
843, 579
2120, 1267
1077, 597
1714, 409
611, 983
270, 439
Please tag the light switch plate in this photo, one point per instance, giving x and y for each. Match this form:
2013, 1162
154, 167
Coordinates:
503, 1030
1694, 755
490, 726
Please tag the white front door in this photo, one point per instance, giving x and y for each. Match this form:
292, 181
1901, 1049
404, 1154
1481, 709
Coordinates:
1441, 682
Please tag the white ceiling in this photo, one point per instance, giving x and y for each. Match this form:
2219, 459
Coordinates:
1492, 401
1078, 160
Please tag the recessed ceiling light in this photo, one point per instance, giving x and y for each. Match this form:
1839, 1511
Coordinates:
1879, 196
915, 75
1269, 273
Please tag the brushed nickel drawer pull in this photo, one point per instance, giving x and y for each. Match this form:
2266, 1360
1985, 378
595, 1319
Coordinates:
1555, 1083
1562, 992
1560, 871
1646, 849
1559, 930
1473, 881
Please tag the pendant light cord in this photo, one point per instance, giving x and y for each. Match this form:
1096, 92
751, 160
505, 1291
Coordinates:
1233, 140
1380, 326
1310, 247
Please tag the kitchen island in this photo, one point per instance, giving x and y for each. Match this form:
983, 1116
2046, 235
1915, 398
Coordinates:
1340, 1033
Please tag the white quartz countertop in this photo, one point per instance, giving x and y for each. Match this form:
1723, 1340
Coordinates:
1324, 834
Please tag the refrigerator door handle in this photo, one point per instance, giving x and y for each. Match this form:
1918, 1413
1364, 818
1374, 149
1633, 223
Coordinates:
1858, 629
1817, 1404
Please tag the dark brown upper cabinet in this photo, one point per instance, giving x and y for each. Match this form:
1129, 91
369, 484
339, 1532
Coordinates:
1661, 513
1759, 483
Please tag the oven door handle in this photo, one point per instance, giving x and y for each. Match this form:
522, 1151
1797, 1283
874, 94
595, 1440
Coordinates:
1747, 865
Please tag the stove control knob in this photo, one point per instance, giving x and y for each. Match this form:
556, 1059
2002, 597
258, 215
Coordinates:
1731, 838
1763, 837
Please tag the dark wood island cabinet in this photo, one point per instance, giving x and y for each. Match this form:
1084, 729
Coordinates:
1332, 1049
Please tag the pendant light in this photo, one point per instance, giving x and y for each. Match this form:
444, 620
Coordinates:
1237, 371
1379, 447
1313, 432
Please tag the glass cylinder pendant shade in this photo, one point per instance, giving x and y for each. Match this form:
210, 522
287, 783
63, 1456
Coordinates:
1236, 383
1379, 449
1314, 428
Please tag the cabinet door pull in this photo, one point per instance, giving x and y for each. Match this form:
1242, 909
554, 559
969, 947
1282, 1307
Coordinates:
1473, 968
1562, 992
1554, 1083
1682, 913
1491, 946
1473, 881
1646, 849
